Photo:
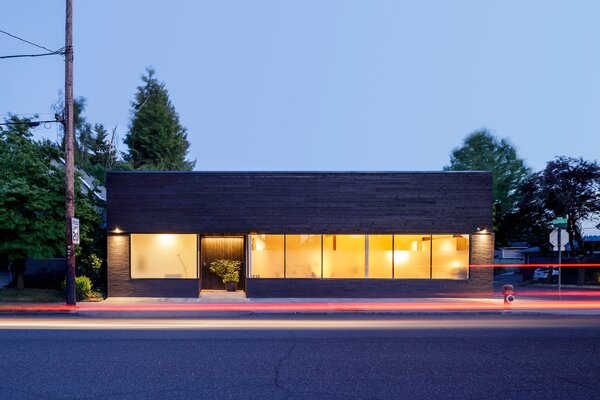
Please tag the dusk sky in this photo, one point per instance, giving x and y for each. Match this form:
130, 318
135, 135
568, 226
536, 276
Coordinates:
324, 85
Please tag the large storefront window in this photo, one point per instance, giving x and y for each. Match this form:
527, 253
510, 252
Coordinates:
343, 256
163, 256
267, 256
450, 257
412, 256
360, 256
303, 256
380, 256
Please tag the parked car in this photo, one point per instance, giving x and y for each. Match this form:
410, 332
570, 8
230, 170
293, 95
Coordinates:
540, 274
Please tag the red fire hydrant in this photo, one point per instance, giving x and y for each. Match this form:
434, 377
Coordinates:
509, 295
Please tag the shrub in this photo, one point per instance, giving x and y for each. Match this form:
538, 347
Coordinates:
83, 287
93, 266
228, 270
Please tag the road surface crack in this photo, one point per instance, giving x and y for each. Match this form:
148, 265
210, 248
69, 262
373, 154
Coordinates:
281, 364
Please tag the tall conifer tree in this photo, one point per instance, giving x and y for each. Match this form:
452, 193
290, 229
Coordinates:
156, 139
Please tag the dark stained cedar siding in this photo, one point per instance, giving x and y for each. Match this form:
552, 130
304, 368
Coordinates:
270, 202
300, 202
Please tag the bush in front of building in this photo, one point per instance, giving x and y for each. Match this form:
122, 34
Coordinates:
83, 286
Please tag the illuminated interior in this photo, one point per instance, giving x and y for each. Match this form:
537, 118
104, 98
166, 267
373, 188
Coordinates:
343, 256
163, 256
267, 256
380, 260
303, 256
450, 257
360, 256
412, 256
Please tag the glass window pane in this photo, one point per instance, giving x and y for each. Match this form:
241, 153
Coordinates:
450, 257
343, 256
412, 256
303, 256
380, 256
163, 256
267, 256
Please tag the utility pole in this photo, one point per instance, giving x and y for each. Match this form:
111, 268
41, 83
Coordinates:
69, 156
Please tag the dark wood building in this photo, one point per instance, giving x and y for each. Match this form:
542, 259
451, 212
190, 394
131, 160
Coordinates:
300, 234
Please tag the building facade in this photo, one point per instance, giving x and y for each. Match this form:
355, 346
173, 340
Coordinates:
300, 234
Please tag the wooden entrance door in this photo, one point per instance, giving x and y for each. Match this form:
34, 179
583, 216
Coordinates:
215, 248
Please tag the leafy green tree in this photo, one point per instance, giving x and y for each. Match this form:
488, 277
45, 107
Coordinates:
567, 187
29, 223
482, 151
156, 139
32, 213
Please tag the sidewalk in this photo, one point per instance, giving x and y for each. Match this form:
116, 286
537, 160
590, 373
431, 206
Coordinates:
237, 304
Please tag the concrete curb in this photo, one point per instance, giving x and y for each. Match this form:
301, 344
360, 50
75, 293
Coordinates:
167, 314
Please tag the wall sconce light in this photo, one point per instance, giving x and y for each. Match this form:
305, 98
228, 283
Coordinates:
117, 230
483, 230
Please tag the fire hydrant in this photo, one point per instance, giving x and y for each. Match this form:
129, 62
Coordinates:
509, 295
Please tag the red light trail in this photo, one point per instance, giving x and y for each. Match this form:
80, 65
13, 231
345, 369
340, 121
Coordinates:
432, 305
568, 265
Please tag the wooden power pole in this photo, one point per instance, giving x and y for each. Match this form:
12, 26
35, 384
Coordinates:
69, 156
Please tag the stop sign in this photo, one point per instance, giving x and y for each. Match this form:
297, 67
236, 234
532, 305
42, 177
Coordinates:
564, 238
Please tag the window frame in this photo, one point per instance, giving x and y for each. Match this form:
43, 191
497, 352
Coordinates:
196, 252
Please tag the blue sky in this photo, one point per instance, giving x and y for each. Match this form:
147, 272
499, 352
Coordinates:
325, 85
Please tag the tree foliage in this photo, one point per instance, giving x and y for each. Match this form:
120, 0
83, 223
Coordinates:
482, 151
94, 148
32, 208
567, 187
156, 139
29, 208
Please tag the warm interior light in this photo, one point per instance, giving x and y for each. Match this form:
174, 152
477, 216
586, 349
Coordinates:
166, 239
260, 245
400, 256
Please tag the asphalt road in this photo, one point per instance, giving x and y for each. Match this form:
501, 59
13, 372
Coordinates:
308, 357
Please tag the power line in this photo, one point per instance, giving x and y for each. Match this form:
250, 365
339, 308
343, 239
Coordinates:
23, 114
27, 41
57, 52
31, 124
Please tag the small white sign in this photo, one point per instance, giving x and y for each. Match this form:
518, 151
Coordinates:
75, 230
564, 238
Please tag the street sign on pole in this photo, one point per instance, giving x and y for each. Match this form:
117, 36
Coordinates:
561, 241
75, 230
560, 222
558, 238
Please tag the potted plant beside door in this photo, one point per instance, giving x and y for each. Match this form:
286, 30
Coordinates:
229, 271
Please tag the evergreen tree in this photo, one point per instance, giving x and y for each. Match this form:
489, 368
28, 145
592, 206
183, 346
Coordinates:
82, 128
156, 139
103, 155
95, 152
